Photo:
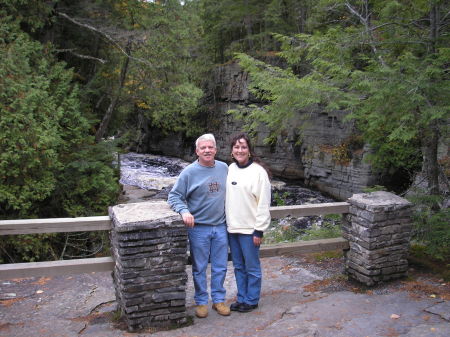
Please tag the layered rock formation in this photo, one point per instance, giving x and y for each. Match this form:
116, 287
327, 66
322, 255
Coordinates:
319, 148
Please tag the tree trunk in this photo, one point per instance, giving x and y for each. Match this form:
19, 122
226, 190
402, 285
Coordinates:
430, 140
430, 160
109, 112
248, 28
434, 13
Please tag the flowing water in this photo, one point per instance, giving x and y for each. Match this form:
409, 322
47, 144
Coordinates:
149, 172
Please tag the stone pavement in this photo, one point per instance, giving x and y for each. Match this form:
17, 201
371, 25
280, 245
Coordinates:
301, 297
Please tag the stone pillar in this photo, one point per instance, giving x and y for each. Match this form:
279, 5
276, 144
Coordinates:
378, 229
149, 247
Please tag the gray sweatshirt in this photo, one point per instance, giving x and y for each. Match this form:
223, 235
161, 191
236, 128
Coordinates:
200, 190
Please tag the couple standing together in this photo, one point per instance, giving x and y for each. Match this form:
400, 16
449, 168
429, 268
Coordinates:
224, 206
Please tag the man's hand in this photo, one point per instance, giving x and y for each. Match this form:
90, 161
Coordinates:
188, 219
257, 241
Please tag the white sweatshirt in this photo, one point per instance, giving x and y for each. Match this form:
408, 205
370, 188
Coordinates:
247, 199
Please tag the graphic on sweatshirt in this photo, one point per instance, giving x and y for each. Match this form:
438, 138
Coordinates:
213, 187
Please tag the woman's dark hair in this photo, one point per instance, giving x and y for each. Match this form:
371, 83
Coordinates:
255, 158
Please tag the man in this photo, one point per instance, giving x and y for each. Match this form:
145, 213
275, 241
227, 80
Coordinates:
199, 197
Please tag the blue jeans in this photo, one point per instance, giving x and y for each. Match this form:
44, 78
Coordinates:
209, 243
247, 267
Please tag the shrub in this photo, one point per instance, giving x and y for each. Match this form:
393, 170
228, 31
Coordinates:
431, 227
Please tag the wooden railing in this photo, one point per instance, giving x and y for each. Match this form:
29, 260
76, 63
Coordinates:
97, 223
312, 209
55, 225
60, 267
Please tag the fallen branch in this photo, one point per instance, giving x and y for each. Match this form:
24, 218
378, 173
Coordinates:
72, 51
103, 34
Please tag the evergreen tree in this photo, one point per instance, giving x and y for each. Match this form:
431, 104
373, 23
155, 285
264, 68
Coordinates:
246, 26
45, 145
49, 163
386, 62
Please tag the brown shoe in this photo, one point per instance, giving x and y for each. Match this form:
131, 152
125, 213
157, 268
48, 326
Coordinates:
201, 311
221, 309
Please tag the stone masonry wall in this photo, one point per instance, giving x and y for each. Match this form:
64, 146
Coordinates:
378, 229
149, 247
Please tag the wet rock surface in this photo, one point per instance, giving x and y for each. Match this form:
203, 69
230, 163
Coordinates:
149, 172
301, 296
291, 194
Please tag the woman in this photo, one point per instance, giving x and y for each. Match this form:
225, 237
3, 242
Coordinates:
247, 211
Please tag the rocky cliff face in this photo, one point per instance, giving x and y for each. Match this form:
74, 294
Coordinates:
326, 154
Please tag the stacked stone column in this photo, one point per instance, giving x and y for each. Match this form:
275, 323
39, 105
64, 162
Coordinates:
149, 247
378, 229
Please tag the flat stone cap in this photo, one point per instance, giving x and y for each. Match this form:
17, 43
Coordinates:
380, 201
143, 215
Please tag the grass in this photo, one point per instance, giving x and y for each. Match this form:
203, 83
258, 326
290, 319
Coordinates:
331, 254
418, 256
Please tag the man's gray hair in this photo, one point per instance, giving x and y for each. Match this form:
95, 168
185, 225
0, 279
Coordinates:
206, 136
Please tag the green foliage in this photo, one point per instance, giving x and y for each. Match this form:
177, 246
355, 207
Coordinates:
323, 256
45, 147
285, 92
333, 218
280, 200
416, 92
176, 109
163, 75
28, 248
246, 26
33, 14
279, 234
54, 246
374, 188
419, 256
49, 165
88, 184
30, 114
330, 227
328, 230
385, 71
431, 227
